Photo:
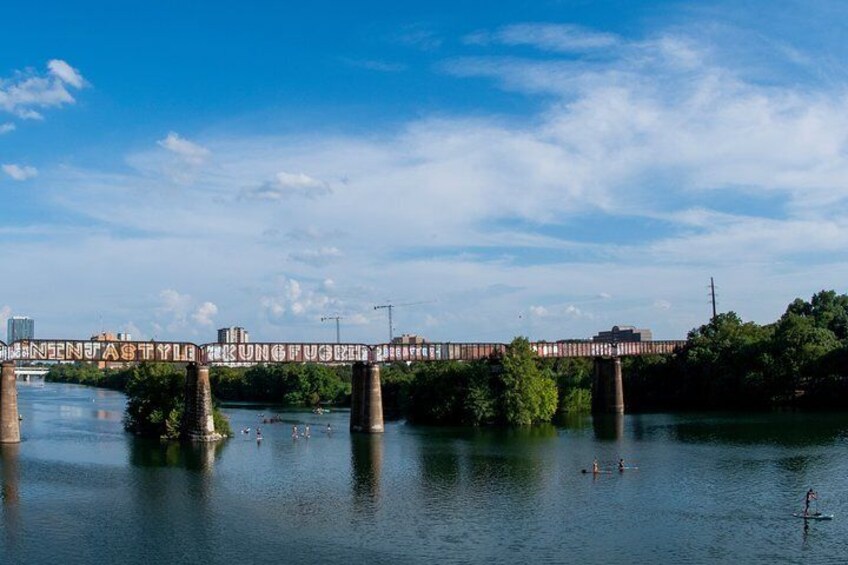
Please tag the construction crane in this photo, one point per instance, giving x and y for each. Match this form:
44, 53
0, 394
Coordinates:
389, 306
336, 318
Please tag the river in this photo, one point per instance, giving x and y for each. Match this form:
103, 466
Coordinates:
709, 488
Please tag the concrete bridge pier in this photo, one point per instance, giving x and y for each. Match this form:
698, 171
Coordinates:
607, 386
198, 424
366, 399
10, 425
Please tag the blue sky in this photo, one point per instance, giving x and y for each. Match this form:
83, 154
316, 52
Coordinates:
540, 168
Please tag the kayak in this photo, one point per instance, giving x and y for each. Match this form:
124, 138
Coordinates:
814, 516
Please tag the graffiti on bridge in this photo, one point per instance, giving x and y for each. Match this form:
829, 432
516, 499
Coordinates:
254, 353
259, 353
101, 351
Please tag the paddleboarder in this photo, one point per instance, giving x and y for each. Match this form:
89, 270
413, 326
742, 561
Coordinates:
811, 495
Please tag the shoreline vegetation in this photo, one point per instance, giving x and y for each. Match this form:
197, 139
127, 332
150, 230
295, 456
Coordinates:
799, 361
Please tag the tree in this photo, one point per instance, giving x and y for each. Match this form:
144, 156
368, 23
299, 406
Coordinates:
527, 395
155, 402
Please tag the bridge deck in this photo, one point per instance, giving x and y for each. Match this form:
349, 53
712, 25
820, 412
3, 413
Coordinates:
329, 353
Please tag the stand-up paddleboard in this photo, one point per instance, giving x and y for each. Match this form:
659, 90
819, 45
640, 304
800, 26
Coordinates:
601, 472
813, 516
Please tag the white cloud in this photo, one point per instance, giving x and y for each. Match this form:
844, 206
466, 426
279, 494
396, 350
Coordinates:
188, 151
539, 311
549, 37
357, 320
7, 127
660, 304
26, 91
174, 304
316, 257
204, 313
66, 73
376, 65
290, 298
572, 311
135, 332
19, 172
286, 185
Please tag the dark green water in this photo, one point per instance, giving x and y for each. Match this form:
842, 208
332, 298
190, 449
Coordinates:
709, 489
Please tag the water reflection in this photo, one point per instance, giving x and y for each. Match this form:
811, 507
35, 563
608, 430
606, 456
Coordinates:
108, 415
767, 428
11, 494
366, 461
512, 461
9, 459
608, 427
199, 456
797, 463
440, 467
572, 420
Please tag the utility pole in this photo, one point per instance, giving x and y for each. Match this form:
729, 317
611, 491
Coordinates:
712, 295
388, 307
336, 318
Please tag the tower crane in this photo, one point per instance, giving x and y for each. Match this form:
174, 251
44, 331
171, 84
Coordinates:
389, 307
336, 318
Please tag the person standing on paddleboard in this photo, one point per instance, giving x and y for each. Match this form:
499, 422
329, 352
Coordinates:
811, 495
595, 467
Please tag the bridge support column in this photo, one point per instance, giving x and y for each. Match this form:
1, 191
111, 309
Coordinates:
607, 386
366, 399
198, 424
10, 424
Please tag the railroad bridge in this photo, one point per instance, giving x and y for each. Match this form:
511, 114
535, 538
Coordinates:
366, 414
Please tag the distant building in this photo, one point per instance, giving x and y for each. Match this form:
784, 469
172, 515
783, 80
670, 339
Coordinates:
235, 334
409, 339
623, 333
109, 336
19, 327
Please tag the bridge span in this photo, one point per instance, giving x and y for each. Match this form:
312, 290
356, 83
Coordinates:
366, 401
327, 353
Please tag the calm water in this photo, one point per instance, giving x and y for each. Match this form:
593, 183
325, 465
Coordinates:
708, 489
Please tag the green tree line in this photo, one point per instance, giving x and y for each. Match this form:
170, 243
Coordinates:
799, 360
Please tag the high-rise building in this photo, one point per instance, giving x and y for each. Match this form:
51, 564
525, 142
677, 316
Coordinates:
19, 327
235, 334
